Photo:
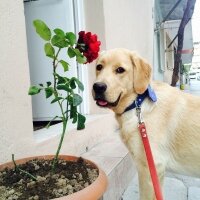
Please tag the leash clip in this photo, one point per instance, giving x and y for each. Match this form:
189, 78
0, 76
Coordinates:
139, 113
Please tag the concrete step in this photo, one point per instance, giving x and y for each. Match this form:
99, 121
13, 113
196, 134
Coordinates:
113, 157
75, 142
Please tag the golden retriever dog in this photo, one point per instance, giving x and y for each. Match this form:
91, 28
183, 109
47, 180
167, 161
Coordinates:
172, 122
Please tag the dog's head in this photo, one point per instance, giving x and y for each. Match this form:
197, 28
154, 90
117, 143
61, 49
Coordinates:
119, 74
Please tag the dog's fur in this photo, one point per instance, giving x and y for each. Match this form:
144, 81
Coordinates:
173, 122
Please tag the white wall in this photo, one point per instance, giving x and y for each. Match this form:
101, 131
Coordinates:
158, 57
129, 24
15, 104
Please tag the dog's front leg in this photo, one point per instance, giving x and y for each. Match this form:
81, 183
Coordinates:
145, 184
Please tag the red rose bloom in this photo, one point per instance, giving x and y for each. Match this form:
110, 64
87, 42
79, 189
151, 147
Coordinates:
88, 45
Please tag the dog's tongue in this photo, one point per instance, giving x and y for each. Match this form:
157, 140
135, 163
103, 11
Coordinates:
102, 103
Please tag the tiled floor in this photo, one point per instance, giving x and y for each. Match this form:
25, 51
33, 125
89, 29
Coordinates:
176, 187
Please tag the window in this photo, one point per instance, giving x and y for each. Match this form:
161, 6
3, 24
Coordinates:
67, 15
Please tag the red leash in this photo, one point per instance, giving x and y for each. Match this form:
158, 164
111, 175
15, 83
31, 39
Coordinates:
149, 156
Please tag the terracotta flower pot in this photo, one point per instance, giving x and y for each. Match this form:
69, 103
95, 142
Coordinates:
93, 192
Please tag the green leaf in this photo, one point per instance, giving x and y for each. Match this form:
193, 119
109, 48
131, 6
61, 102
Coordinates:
64, 87
72, 83
59, 32
81, 122
70, 99
49, 50
81, 59
61, 79
77, 99
73, 111
77, 52
71, 52
48, 92
55, 40
33, 90
80, 85
59, 41
65, 65
48, 83
42, 29
71, 37
56, 99
75, 117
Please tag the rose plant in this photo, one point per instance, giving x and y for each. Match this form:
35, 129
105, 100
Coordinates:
53, 176
85, 50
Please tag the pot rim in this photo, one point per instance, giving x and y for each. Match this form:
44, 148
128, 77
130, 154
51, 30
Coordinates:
93, 192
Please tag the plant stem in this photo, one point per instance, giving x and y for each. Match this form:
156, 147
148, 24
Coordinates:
64, 118
60, 145
21, 170
54, 69
48, 125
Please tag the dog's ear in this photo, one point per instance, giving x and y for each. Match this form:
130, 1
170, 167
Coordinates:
142, 73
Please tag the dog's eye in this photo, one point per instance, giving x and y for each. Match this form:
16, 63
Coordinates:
120, 70
99, 67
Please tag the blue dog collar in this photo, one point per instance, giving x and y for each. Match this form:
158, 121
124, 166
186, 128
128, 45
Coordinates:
141, 97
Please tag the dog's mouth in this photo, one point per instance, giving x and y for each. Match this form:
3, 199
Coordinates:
100, 101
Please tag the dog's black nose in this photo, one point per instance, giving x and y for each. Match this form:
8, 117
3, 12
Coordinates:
99, 87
